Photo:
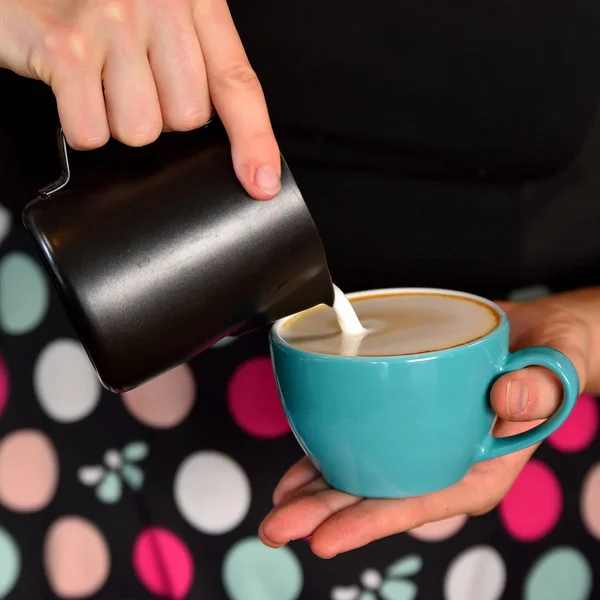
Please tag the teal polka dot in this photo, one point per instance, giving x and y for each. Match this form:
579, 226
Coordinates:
223, 342
110, 489
24, 294
251, 571
529, 294
560, 573
10, 563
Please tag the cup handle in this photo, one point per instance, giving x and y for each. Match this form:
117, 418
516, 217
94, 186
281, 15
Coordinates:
557, 362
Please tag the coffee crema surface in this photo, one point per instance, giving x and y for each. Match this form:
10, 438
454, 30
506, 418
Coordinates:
396, 325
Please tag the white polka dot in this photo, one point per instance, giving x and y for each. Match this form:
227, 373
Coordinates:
212, 492
371, 579
476, 574
5, 220
112, 459
65, 382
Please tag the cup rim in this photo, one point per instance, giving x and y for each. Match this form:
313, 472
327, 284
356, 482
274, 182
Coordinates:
502, 321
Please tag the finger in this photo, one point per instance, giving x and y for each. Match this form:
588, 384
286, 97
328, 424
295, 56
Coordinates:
299, 517
178, 67
301, 474
535, 392
239, 100
477, 493
370, 520
526, 395
76, 81
481, 490
131, 98
81, 110
339, 522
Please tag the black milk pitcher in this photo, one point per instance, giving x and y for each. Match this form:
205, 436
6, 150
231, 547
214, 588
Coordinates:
160, 253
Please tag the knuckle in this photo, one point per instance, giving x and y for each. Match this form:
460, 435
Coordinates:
345, 528
239, 76
141, 135
563, 325
115, 11
544, 394
188, 119
63, 52
570, 334
82, 140
66, 45
561, 322
264, 138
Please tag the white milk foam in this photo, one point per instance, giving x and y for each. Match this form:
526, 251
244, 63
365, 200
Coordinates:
390, 325
352, 330
346, 316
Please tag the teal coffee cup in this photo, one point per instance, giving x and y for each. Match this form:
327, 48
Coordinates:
398, 426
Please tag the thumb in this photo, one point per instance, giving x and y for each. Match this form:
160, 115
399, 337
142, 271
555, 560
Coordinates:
535, 392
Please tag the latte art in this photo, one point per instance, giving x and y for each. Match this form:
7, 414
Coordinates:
394, 325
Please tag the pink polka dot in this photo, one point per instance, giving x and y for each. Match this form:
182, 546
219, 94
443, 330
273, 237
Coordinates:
438, 531
580, 428
4, 387
76, 557
532, 507
163, 563
29, 470
165, 401
254, 402
590, 501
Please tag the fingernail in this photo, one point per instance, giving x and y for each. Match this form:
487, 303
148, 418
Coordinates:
516, 397
267, 180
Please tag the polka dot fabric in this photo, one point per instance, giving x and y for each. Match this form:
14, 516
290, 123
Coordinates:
159, 493
533, 506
